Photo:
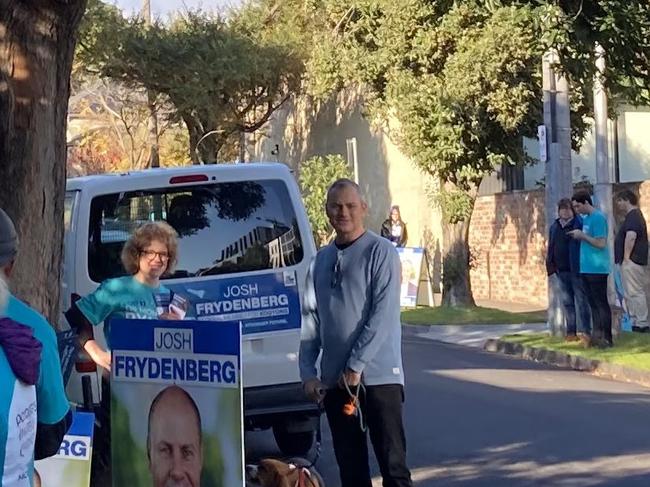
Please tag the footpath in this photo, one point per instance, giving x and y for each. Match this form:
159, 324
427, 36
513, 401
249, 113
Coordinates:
499, 339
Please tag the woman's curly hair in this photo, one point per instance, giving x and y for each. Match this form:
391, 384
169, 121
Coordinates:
142, 237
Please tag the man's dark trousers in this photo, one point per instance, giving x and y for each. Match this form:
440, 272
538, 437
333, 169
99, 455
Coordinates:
382, 412
601, 313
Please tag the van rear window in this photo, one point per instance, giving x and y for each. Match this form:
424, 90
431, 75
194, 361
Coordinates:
223, 228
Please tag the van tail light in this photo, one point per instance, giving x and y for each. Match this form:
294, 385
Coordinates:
190, 178
84, 363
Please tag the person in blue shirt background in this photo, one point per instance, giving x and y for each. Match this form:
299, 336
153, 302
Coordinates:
34, 411
594, 266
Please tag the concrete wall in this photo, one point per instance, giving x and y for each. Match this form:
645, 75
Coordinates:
634, 144
628, 138
304, 128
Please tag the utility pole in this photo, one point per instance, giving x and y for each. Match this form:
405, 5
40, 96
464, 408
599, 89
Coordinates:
559, 177
152, 137
603, 189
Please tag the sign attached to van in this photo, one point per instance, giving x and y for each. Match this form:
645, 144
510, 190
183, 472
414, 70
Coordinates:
262, 303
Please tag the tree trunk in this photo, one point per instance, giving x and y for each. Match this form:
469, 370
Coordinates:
37, 40
204, 149
456, 283
152, 135
242, 146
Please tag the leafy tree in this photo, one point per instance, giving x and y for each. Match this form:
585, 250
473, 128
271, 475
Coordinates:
101, 111
222, 78
316, 176
92, 153
459, 83
38, 39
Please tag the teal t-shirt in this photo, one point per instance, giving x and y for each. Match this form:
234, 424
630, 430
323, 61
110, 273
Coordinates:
22, 406
592, 259
122, 297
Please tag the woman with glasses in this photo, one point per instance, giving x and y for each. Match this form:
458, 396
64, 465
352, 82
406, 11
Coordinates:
150, 253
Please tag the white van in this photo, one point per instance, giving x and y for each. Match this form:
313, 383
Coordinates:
243, 233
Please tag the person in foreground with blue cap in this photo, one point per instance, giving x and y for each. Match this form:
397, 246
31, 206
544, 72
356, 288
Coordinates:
34, 411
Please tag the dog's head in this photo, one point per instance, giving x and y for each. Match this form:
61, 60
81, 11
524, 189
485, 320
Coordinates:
275, 473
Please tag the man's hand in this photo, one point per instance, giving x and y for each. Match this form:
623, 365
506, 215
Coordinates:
349, 377
577, 234
315, 390
98, 355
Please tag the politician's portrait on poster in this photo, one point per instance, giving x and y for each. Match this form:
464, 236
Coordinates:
176, 404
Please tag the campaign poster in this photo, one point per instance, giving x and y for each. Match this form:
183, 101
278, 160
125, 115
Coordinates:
263, 302
176, 403
411, 260
71, 466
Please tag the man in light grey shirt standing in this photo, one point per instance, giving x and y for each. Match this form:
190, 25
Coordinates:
351, 314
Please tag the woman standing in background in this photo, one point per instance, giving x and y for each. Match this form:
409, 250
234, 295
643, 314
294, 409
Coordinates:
394, 228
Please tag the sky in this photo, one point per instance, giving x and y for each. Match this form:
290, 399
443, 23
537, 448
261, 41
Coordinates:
162, 8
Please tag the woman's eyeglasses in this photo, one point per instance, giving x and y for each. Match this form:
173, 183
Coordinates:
337, 275
152, 254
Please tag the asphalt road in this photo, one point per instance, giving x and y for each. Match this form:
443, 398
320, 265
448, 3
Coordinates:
478, 419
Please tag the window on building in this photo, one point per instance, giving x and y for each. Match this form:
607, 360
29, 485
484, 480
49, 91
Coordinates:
505, 178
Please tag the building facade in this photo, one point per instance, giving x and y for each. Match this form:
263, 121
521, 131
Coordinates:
507, 232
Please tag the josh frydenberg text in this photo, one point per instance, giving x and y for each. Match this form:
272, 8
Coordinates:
174, 361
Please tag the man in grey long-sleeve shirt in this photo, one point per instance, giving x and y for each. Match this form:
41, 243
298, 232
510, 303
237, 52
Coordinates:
351, 314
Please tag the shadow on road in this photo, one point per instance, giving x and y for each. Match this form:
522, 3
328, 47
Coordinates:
476, 419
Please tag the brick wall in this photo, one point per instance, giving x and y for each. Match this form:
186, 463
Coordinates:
507, 238
508, 243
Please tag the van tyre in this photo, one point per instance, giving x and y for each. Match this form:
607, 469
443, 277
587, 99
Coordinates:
293, 443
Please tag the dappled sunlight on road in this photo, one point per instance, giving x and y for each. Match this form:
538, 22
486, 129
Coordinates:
472, 335
498, 463
549, 381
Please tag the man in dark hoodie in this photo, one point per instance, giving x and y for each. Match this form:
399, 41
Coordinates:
34, 411
563, 260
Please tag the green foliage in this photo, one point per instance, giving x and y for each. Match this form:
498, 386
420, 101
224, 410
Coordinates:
460, 83
316, 176
475, 315
630, 350
128, 454
456, 205
220, 75
622, 27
